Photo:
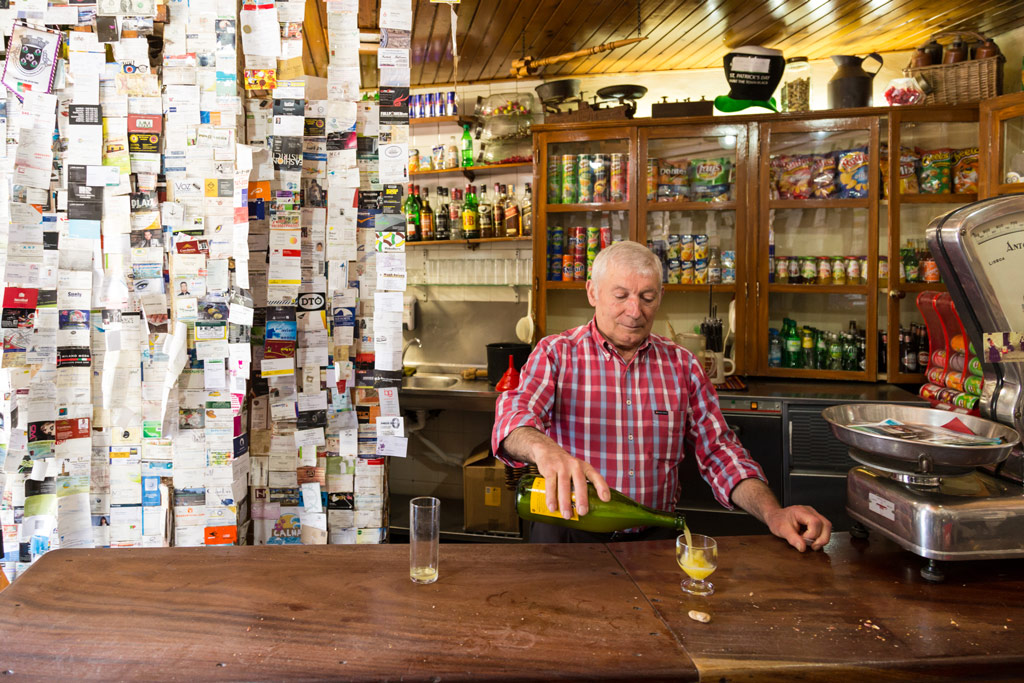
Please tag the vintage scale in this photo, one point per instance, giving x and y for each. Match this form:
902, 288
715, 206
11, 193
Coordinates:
954, 502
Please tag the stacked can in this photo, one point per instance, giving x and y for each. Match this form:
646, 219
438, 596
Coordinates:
593, 246
601, 165
619, 173
584, 179
554, 179
570, 187
652, 179
556, 248
578, 242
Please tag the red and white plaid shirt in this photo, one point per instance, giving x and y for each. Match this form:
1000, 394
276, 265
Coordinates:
631, 420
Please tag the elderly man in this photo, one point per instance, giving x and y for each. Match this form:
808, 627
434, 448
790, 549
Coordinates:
611, 403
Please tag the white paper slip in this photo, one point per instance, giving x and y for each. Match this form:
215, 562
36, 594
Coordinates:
392, 446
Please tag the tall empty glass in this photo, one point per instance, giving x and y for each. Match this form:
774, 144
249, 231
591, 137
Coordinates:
424, 532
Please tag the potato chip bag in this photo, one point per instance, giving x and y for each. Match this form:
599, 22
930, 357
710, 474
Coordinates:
934, 176
965, 170
852, 173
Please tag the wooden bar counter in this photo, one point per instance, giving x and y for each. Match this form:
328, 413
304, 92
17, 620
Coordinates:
858, 611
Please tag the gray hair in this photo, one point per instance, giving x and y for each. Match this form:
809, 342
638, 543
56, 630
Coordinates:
631, 255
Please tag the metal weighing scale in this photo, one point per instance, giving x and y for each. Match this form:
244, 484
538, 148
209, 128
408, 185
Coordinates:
954, 502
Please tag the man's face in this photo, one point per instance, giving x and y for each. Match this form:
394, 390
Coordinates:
624, 304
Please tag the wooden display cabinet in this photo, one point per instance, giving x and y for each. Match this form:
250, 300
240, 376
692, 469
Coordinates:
1002, 149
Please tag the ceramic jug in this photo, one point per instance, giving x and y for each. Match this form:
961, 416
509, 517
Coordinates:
851, 84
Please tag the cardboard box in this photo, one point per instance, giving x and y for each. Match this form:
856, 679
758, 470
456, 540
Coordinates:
487, 504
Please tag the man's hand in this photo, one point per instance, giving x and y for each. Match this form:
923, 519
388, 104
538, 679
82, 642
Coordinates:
562, 472
800, 525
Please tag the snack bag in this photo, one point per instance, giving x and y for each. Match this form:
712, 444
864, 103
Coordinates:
795, 177
965, 170
823, 176
673, 180
710, 179
775, 165
852, 176
909, 159
934, 177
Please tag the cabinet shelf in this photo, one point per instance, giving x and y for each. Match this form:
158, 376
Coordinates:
819, 203
564, 284
653, 207
819, 289
718, 289
939, 198
920, 287
570, 208
804, 373
427, 120
478, 240
496, 168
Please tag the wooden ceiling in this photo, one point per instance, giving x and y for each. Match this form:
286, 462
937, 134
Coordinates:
681, 34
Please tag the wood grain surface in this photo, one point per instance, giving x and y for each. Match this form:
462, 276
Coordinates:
345, 613
859, 610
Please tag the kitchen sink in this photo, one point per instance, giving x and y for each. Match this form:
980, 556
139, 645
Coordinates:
418, 382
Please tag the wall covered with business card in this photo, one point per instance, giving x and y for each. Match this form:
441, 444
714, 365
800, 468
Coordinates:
203, 277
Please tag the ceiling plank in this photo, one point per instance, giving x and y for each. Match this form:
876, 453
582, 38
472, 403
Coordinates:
476, 43
424, 16
505, 39
655, 20
614, 14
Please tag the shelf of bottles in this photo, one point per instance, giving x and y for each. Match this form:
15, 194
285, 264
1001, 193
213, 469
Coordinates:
468, 218
587, 207
819, 232
688, 207
931, 167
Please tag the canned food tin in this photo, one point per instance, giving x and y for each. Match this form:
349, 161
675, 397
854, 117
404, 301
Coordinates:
584, 179
965, 400
686, 247
570, 186
974, 366
414, 107
782, 269
824, 270
938, 357
700, 271
808, 269
852, 270
936, 375
450, 107
686, 273
955, 380
567, 268
973, 384
652, 179
947, 395
838, 270
554, 179
675, 271
619, 186
883, 268
600, 165
930, 270
700, 247
956, 362
930, 391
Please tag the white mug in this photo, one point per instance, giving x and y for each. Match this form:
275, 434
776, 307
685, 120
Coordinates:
715, 366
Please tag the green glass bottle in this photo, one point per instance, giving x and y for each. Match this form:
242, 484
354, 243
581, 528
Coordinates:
617, 514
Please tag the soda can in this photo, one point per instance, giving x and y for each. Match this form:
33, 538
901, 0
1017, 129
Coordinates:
585, 179
700, 247
414, 102
450, 107
554, 179
673, 248
686, 273
567, 268
675, 271
930, 269
555, 267
652, 179
606, 236
619, 187
700, 271
579, 269
686, 247
600, 165
973, 384
930, 391
570, 187
578, 235
556, 239
593, 243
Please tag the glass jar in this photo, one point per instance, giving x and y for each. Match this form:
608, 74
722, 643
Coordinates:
839, 270
808, 270
824, 270
782, 270
796, 90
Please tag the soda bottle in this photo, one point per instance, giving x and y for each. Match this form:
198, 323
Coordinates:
466, 147
774, 349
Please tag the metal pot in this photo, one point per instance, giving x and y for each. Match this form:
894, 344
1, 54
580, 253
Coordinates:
554, 93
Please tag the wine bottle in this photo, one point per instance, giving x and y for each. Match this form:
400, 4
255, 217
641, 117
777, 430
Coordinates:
617, 514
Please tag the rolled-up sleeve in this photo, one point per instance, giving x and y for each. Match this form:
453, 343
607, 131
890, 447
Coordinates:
528, 405
721, 458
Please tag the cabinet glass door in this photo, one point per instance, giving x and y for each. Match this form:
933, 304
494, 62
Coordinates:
1002, 130
583, 205
692, 213
934, 171
818, 233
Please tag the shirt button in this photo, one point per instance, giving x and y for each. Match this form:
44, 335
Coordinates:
628, 402
630, 437
631, 473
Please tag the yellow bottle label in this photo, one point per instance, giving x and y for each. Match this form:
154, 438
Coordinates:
539, 501
468, 220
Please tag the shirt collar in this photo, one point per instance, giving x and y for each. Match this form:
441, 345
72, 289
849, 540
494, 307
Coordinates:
608, 347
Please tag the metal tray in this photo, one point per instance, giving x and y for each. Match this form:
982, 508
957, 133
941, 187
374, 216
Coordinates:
842, 416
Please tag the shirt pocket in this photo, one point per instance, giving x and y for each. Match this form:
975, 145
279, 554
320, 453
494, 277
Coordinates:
666, 434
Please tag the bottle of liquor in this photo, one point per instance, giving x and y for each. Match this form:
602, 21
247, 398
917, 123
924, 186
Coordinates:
526, 213
470, 224
466, 147
512, 222
498, 209
485, 218
451, 154
455, 215
883, 351
411, 209
621, 512
923, 348
426, 216
442, 217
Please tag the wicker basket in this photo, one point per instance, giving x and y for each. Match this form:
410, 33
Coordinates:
970, 81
